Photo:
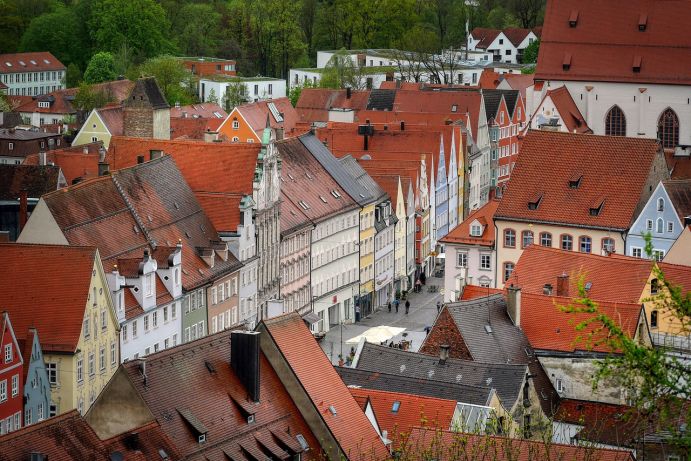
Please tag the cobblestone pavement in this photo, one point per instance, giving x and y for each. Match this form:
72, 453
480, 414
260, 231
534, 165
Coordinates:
423, 311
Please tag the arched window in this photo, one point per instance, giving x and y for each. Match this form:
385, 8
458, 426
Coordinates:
615, 122
659, 226
653, 319
660, 204
668, 129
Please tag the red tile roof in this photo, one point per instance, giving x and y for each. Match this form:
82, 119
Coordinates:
314, 103
61, 100
474, 292
35, 180
519, 81
484, 215
611, 168
193, 128
539, 265
203, 110
548, 328
349, 426
573, 120
679, 165
489, 79
452, 446
174, 379
485, 36
255, 113
677, 275
516, 35
29, 62
304, 179
616, 425
46, 287
205, 166
413, 410
292, 216
112, 116
602, 30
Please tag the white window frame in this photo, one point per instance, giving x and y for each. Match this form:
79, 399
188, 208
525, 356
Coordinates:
8, 353
462, 259
489, 261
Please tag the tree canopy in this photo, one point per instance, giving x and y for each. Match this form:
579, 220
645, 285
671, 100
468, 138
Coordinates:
101, 68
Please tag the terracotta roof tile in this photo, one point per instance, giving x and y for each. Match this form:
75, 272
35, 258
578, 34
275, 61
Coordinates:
461, 233
349, 425
292, 216
54, 278
29, 62
411, 411
612, 167
314, 103
112, 116
193, 128
571, 117
679, 165
602, 30
548, 328
679, 191
458, 445
539, 265
61, 100
615, 425
256, 112
204, 110
205, 167
474, 291
75, 162
485, 36
173, 380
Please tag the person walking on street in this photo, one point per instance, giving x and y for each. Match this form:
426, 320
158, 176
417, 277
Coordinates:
396, 304
389, 306
407, 306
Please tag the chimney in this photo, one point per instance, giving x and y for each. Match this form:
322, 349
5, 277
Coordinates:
210, 136
102, 165
349, 93
443, 353
244, 359
563, 285
23, 208
42, 159
402, 125
513, 304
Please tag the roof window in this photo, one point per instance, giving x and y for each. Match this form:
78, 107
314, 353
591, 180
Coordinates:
637, 63
534, 202
304, 205
596, 208
46, 61
332, 409
322, 199
575, 181
335, 193
566, 64
454, 108
303, 443
395, 407
22, 63
642, 22
573, 18
8, 64
33, 62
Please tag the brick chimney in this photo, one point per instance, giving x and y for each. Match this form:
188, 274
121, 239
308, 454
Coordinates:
563, 285
513, 304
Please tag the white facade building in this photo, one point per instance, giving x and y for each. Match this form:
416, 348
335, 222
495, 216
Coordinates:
256, 88
384, 243
31, 74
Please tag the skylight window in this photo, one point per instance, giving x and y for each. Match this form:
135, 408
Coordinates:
335, 194
22, 63
322, 199
303, 443
304, 205
8, 64
46, 61
395, 407
33, 62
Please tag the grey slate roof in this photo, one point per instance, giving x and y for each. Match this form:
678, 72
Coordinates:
504, 343
333, 166
363, 178
507, 379
381, 100
493, 99
475, 395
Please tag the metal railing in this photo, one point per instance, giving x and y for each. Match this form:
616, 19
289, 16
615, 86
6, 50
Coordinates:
669, 341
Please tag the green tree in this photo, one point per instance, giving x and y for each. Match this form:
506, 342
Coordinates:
141, 24
10, 26
212, 98
4, 104
88, 98
657, 379
57, 32
341, 72
101, 68
175, 81
73, 76
198, 29
531, 51
234, 96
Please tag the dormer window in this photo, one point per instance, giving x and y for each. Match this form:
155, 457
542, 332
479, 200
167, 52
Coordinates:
475, 229
534, 202
636, 67
573, 18
575, 181
642, 22
596, 208
566, 64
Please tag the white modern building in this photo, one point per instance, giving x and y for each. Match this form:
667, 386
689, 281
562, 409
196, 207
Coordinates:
504, 45
255, 88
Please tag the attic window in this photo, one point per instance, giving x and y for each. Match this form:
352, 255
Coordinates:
322, 199
488, 329
33, 62
46, 61
304, 205
573, 19
335, 194
475, 229
454, 108
534, 202
588, 286
291, 176
22, 63
575, 181
197, 426
332, 409
596, 208
637, 63
303, 443
642, 22
395, 407
566, 64
8, 64
309, 176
